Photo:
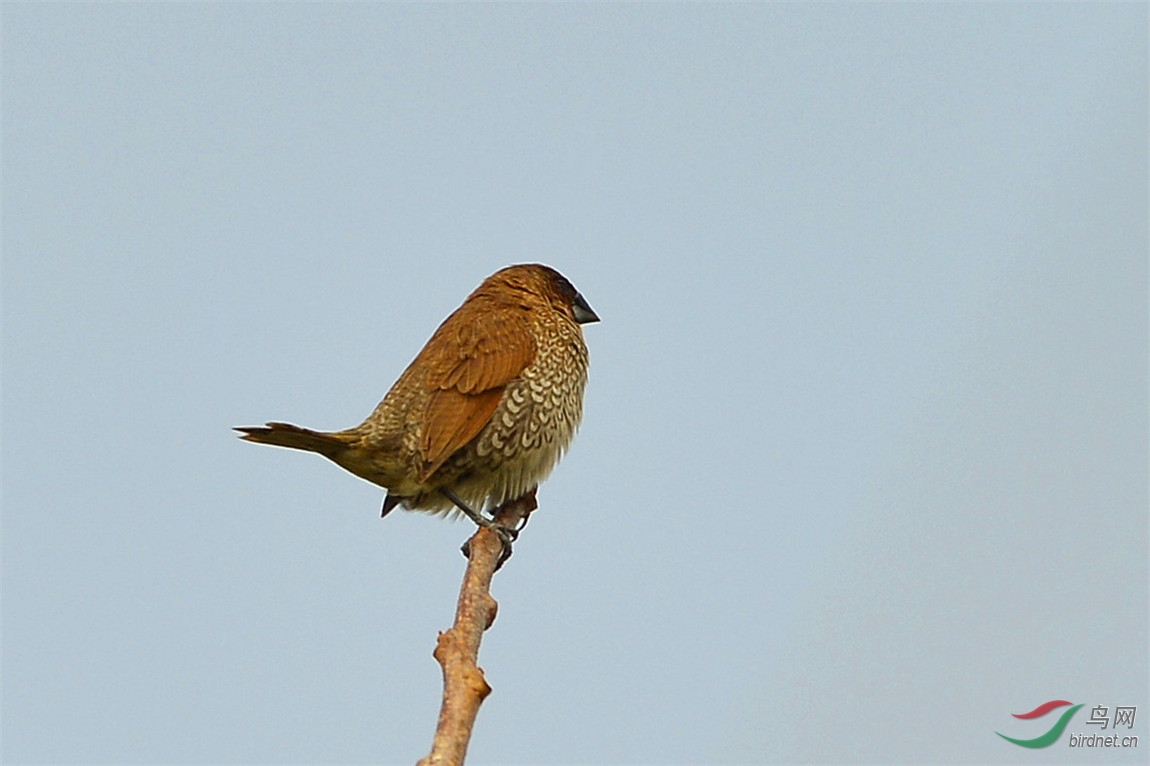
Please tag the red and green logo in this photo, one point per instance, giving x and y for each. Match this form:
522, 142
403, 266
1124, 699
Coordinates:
1050, 737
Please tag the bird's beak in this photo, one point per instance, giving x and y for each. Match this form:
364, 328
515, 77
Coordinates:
584, 314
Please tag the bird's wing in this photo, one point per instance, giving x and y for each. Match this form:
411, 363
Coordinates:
471, 358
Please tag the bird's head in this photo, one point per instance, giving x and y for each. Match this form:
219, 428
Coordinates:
545, 282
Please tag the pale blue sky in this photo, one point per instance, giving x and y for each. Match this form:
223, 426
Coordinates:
863, 469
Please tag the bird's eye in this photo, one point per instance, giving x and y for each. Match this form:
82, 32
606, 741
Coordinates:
565, 287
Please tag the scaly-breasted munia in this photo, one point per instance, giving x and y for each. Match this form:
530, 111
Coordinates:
486, 409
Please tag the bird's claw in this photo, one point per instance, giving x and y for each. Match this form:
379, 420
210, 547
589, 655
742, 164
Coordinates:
504, 554
506, 537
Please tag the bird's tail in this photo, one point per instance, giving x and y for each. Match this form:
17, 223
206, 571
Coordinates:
287, 435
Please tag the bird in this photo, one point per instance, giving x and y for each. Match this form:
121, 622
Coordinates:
483, 413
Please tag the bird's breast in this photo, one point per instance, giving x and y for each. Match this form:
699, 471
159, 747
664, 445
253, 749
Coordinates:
537, 417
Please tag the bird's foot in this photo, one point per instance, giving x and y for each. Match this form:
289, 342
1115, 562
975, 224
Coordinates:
479, 519
506, 535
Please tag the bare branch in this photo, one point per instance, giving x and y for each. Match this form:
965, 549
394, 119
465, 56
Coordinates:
464, 687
